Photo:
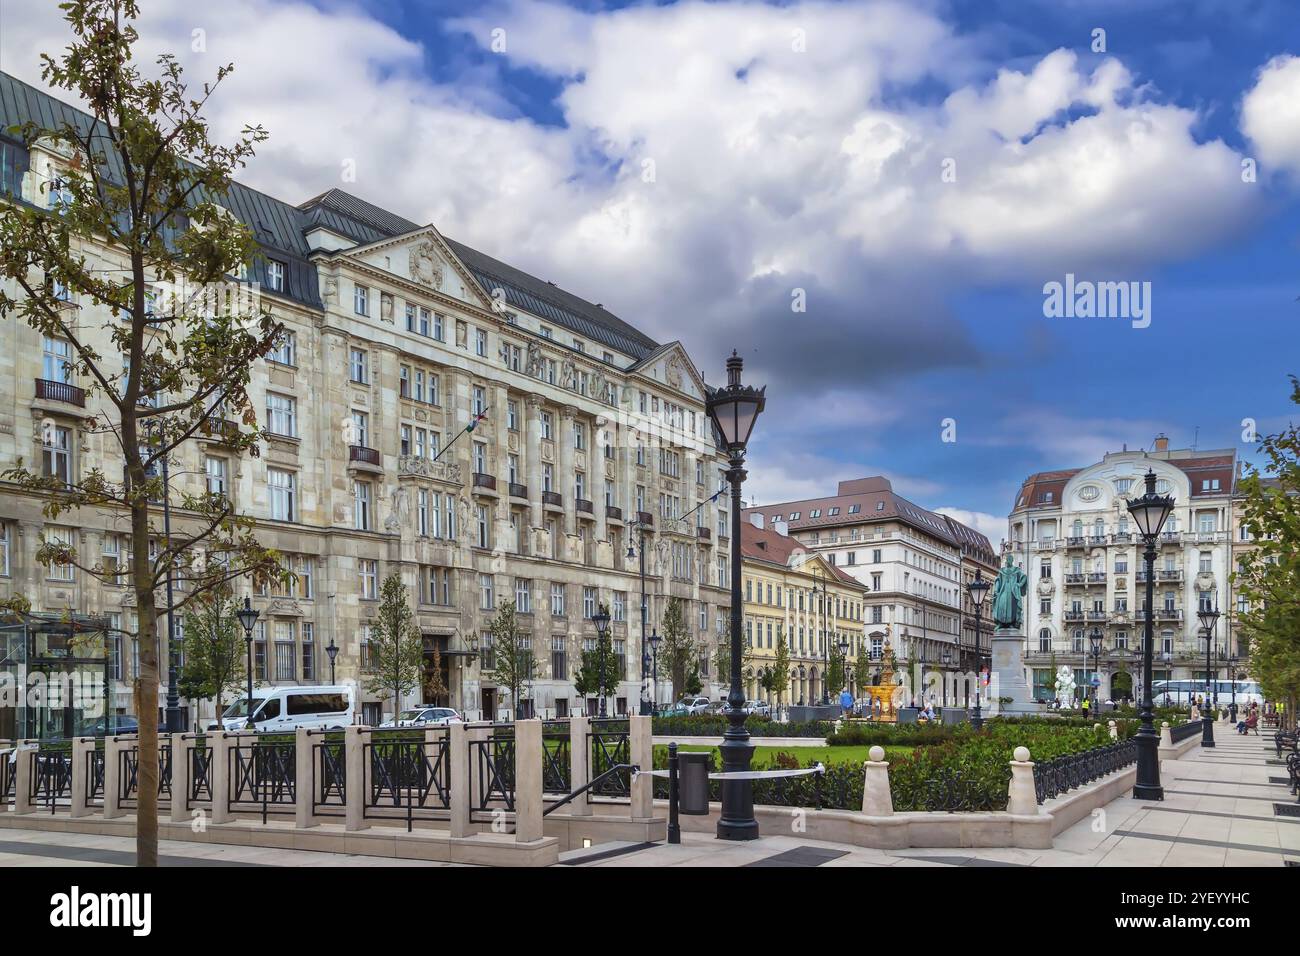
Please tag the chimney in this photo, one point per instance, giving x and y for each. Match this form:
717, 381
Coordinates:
756, 519
781, 527
1162, 442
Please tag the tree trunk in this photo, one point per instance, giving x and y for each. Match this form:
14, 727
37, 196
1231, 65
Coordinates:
146, 815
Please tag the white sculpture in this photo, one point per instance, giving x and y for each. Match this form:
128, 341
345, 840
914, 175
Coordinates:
1065, 686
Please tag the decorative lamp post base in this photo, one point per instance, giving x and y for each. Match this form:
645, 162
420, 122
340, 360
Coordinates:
1148, 785
1207, 731
737, 820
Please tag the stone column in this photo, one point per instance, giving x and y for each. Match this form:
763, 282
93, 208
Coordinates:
1166, 736
641, 753
82, 748
304, 780
218, 776
354, 770
580, 764
1008, 674
528, 781
182, 778
458, 768
1022, 798
113, 747
25, 756
533, 460
876, 798
564, 469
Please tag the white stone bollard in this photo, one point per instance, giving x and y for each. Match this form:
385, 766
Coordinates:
219, 775
354, 787
26, 764
1166, 737
113, 748
182, 778
1114, 729
82, 748
458, 768
580, 764
641, 753
304, 787
876, 798
528, 781
1022, 798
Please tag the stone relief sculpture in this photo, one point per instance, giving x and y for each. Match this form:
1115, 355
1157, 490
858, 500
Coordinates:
399, 510
674, 372
569, 374
462, 512
331, 293
425, 264
386, 307
462, 333
534, 359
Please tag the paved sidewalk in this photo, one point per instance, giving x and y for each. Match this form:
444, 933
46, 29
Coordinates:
1217, 811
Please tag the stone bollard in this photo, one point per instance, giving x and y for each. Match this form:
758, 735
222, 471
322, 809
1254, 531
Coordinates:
304, 788
219, 776
458, 769
1114, 729
182, 778
528, 780
641, 753
26, 763
354, 787
1166, 737
114, 746
82, 748
876, 798
580, 764
1022, 798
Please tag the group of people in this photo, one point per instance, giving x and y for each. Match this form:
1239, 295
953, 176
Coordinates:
1249, 718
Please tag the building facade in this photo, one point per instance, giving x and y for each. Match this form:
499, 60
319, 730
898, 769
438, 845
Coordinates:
914, 563
586, 432
797, 593
1071, 533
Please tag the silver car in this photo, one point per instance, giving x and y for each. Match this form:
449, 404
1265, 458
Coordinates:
694, 705
426, 717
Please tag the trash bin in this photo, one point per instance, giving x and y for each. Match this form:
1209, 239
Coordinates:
693, 783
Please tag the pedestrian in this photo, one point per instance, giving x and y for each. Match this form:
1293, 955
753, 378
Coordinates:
846, 702
1085, 708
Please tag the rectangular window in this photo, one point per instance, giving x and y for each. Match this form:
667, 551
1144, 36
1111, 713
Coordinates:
523, 596
275, 275
358, 366
479, 400
588, 602
435, 397
60, 537
283, 494
361, 505
546, 425
369, 570
361, 300
286, 349
56, 454
285, 651
308, 651
281, 415
56, 363
214, 470
484, 527
404, 382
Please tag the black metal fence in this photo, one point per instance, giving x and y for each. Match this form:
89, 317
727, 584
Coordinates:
128, 764
1055, 777
200, 757
557, 762
493, 763
263, 775
609, 744
408, 775
329, 787
51, 782
94, 782
8, 774
1182, 732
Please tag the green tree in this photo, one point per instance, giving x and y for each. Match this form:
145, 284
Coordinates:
144, 179
679, 652
693, 685
396, 647
837, 677
214, 650
862, 668
1269, 574
722, 662
590, 679
779, 670
513, 663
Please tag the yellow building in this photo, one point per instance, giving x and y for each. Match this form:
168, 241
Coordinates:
795, 592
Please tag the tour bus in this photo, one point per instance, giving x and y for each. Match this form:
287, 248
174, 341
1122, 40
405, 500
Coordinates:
288, 708
1175, 692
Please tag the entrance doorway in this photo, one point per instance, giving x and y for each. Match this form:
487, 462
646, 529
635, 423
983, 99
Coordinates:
489, 700
1121, 686
435, 674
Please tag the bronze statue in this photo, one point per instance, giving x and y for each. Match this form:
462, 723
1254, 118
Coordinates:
1009, 596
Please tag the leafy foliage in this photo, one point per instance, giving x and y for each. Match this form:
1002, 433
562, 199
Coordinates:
215, 650
513, 661
679, 652
396, 647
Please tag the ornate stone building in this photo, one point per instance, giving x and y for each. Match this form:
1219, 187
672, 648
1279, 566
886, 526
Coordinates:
1070, 531
397, 338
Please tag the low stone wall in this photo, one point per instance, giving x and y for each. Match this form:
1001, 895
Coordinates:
664, 740
1068, 809
1172, 751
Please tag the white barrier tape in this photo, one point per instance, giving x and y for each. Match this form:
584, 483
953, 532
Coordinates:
753, 774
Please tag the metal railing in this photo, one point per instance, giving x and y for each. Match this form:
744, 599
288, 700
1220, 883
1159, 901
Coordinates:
1063, 774
329, 779
557, 765
1192, 728
410, 774
94, 784
263, 774
60, 392
484, 481
609, 745
368, 456
51, 782
517, 490
493, 760
7, 777
200, 757
128, 763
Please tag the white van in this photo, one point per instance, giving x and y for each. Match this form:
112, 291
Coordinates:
288, 708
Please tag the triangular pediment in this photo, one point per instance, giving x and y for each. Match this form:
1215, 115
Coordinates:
670, 365
424, 258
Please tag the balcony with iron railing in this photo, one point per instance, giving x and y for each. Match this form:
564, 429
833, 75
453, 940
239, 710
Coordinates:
1121, 537
52, 391
1098, 617
361, 455
518, 491
1074, 615
1169, 614
484, 483
1074, 578
552, 499
583, 506
1096, 577
1171, 537
613, 513
1175, 575
1096, 539
645, 518
704, 534
219, 429
1076, 542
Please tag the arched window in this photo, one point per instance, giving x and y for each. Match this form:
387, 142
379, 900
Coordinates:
1045, 640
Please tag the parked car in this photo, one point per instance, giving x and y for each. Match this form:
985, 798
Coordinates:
695, 705
288, 708
426, 717
718, 707
676, 710
118, 723
759, 708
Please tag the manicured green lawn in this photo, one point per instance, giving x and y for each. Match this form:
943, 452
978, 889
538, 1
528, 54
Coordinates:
827, 755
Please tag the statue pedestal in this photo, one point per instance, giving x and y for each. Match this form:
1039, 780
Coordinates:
1009, 675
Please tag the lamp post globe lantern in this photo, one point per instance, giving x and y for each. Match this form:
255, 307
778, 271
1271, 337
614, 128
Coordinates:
332, 652
1149, 511
601, 620
978, 589
1209, 617
734, 408
248, 616
655, 641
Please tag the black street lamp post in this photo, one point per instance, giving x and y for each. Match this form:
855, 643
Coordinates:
332, 652
734, 409
1094, 640
844, 660
1149, 511
639, 550
1209, 619
248, 616
601, 620
655, 640
979, 589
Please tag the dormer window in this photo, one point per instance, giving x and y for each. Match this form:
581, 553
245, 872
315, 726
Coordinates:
275, 275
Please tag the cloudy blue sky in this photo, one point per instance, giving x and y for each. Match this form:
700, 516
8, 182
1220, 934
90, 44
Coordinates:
915, 172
